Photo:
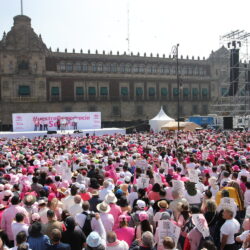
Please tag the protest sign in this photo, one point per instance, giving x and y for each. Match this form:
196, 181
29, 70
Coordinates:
143, 182
167, 228
201, 224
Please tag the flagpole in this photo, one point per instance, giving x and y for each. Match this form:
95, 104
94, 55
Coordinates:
21, 7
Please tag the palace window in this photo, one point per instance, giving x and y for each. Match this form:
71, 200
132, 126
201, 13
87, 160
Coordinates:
154, 69
190, 71
204, 92
141, 69
94, 67
164, 91
107, 68
224, 91
150, 69
122, 68
161, 70
24, 91
151, 91
62, 67
78, 67
104, 91
136, 69
55, 91
185, 92
128, 68
166, 70
195, 92
175, 92
124, 91
69, 67
113, 67
92, 91
99, 67
79, 91
85, 67
139, 91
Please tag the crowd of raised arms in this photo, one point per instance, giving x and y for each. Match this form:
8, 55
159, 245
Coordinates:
140, 191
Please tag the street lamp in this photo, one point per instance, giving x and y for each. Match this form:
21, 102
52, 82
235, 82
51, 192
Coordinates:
175, 51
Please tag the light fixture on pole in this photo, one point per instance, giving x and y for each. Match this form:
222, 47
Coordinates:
175, 52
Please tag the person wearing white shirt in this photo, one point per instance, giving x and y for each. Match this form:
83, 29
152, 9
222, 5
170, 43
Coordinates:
192, 195
191, 164
107, 188
228, 230
81, 217
69, 200
77, 207
76, 165
42, 211
133, 195
18, 225
244, 171
126, 171
106, 218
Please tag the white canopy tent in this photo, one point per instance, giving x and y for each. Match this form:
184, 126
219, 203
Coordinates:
158, 121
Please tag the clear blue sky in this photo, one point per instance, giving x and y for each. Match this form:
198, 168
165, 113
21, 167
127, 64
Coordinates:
155, 25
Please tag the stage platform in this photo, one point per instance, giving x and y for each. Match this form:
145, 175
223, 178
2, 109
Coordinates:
32, 134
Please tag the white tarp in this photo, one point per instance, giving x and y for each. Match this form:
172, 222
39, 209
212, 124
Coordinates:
23, 122
158, 121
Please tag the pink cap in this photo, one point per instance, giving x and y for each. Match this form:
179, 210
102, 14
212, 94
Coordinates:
124, 217
236, 168
143, 216
24, 171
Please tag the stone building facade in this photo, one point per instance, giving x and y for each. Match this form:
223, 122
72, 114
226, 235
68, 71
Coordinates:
122, 87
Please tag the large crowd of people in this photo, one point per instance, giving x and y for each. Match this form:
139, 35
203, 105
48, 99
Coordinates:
141, 191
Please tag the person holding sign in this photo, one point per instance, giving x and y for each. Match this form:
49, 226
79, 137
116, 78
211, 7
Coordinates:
200, 231
166, 227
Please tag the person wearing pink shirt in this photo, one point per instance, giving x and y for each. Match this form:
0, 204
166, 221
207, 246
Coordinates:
154, 194
124, 232
9, 215
114, 209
